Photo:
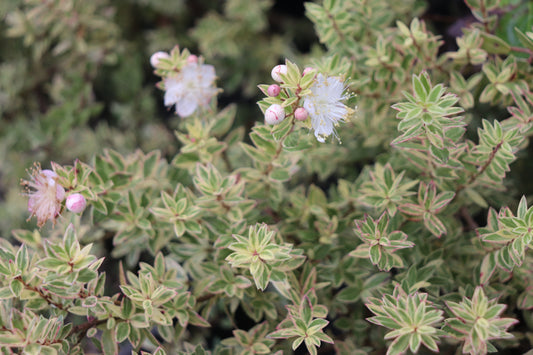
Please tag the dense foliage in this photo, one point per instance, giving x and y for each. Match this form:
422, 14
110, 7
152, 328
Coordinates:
376, 199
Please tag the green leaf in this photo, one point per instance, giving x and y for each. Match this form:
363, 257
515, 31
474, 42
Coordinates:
100, 206
524, 39
32, 238
434, 225
262, 142
282, 129
122, 331
22, 259
441, 154
255, 153
224, 120
16, 287
109, 346
399, 346
475, 197
127, 308
494, 44
150, 163
179, 228
418, 88
261, 275
6, 293
279, 174
349, 294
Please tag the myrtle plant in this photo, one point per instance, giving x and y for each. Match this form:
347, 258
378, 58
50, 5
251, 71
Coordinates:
412, 319
477, 321
208, 178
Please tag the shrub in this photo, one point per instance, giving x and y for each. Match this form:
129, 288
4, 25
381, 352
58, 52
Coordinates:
344, 215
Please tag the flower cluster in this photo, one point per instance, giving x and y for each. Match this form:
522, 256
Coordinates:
316, 100
188, 84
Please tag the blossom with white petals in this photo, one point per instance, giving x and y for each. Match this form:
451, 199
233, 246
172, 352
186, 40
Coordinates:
45, 195
324, 105
191, 88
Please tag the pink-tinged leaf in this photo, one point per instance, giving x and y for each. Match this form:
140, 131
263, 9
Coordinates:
419, 89
495, 311
414, 342
399, 346
297, 342
458, 326
496, 237
122, 332
316, 325
412, 209
522, 208
412, 133
434, 225
197, 320
324, 338
284, 333
442, 200
488, 266
375, 254
261, 275
109, 345
362, 251
429, 343
310, 347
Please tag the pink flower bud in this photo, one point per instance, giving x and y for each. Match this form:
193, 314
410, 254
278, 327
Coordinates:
307, 70
300, 114
192, 59
273, 90
157, 56
76, 203
277, 71
274, 114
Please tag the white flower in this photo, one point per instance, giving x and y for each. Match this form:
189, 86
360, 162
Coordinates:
45, 195
324, 105
191, 88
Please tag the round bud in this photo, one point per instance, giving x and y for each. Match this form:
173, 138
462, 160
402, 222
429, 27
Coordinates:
277, 71
192, 59
157, 56
273, 90
76, 203
307, 70
274, 114
300, 114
